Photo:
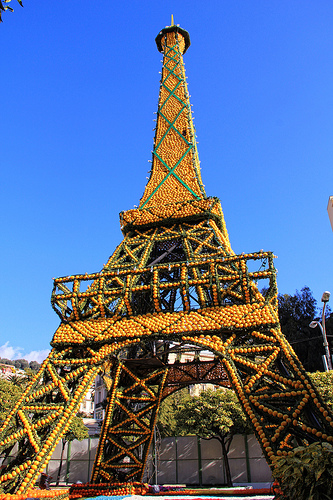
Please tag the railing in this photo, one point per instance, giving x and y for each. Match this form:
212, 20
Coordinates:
215, 281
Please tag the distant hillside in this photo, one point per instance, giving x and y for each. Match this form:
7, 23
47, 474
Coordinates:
21, 363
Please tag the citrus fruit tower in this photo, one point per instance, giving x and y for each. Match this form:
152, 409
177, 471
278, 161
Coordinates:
172, 283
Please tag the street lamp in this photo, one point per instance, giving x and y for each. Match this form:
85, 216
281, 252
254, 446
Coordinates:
325, 298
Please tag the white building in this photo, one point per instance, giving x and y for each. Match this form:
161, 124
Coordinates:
87, 404
87, 408
100, 398
6, 371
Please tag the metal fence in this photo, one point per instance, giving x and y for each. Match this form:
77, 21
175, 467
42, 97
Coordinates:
180, 460
194, 461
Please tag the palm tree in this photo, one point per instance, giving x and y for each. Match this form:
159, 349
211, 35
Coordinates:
20, 380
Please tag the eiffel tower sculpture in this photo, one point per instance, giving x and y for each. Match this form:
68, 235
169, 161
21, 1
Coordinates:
173, 281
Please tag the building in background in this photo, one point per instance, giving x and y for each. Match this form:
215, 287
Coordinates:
7, 371
330, 210
87, 411
100, 398
87, 405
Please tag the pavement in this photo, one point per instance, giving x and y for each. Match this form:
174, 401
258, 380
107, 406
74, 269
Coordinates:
223, 496
238, 492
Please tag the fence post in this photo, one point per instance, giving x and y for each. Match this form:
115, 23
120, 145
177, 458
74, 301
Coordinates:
68, 459
247, 458
176, 456
89, 457
199, 461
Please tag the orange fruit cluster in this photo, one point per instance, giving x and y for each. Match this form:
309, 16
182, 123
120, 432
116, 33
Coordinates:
107, 489
214, 318
60, 427
59, 494
207, 208
175, 193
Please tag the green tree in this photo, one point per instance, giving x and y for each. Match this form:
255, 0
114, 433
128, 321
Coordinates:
166, 422
4, 5
77, 430
305, 473
324, 383
9, 395
213, 414
19, 380
296, 313
34, 365
6, 361
21, 364
22, 379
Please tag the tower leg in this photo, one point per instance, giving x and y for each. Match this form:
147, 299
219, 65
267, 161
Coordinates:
129, 422
44, 413
274, 390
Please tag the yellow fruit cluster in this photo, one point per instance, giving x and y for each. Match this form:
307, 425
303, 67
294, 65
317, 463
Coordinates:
215, 318
209, 209
174, 197
237, 384
28, 430
173, 39
301, 387
107, 419
60, 494
189, 208
145, 427
107, 490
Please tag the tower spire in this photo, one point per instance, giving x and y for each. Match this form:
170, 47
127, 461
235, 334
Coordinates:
175, 174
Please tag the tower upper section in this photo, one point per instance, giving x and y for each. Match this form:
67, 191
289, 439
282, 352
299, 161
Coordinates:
175, 174
174, 191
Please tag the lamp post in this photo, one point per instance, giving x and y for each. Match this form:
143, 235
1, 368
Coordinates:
325, 298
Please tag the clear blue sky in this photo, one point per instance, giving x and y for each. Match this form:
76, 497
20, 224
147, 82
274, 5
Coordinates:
80, 85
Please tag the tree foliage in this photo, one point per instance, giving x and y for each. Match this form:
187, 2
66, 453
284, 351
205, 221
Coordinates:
296, 313
4, 5
9, 395
6, 361
21, 364
324, 383
213, 414
77, 430
34, 365
306, 473
19, 380
167, 422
